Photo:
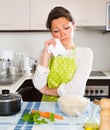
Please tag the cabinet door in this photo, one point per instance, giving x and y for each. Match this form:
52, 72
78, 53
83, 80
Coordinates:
85, 12
39, 13
89, 12
31, 94
14, 14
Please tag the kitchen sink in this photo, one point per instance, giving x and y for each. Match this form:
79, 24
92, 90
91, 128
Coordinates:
9, 79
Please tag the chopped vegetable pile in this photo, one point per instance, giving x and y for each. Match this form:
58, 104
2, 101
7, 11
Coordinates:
39, 117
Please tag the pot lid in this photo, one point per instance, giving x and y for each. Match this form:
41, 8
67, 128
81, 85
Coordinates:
7, 96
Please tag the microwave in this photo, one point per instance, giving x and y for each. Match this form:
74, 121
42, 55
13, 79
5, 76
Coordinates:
108, 16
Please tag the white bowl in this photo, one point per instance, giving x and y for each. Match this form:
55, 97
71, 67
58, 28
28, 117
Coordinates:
72, 104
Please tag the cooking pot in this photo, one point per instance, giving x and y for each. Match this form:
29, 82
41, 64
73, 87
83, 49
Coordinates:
10, 103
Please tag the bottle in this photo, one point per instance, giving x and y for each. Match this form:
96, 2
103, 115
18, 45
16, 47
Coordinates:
105, 114
92, 123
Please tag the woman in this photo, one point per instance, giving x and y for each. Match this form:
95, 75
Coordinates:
68, 72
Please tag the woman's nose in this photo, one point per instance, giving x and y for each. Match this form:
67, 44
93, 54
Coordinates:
62, 33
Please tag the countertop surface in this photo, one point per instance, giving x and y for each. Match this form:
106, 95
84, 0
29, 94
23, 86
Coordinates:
100, 75
14, 122
15, 85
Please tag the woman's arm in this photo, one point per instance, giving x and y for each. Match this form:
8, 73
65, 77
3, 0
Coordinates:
84, 59
40, 77
42, 70
40, 81
49, 91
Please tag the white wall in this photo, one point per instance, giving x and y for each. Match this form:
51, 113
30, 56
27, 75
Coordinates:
100, 45
32, 42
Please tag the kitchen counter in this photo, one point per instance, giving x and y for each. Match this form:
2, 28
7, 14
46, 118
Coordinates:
15, 122
104, 75
14, 86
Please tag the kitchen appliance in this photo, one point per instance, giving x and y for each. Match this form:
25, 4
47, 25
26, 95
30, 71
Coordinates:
6, 57
27, 64
6, 54
4, 64
98, 87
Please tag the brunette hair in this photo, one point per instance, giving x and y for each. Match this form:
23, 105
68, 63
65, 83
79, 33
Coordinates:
56, 13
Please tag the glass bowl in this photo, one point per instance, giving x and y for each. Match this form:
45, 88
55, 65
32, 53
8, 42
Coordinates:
72, 104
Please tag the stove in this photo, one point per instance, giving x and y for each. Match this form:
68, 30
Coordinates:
97, 88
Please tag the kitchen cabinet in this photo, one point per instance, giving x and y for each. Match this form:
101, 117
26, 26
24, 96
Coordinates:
85, 12
32, 15
90, 13
32, 94
14, 14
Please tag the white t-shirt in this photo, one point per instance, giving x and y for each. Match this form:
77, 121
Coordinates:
84, 59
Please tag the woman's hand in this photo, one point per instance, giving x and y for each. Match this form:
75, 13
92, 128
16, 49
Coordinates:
43, 90
45, 55
48, 42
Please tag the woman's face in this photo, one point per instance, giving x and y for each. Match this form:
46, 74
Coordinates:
63, 29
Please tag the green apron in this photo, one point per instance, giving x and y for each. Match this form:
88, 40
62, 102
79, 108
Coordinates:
62, 70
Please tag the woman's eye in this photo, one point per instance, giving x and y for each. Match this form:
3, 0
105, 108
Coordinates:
55, 31
66, 28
